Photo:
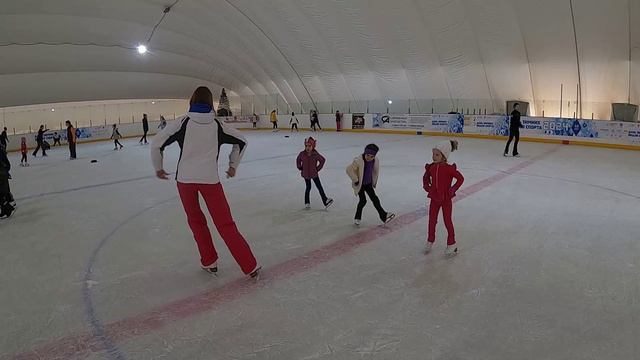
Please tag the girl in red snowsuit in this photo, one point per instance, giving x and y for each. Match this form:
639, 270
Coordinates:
437, 182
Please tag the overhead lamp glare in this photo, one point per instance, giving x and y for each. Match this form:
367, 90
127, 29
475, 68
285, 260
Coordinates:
142, 49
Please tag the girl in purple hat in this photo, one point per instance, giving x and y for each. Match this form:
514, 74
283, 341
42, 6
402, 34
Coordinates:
364, 178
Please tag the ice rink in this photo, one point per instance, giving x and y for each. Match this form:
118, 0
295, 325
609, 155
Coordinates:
99, 263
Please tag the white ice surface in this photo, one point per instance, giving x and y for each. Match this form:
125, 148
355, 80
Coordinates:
548, 265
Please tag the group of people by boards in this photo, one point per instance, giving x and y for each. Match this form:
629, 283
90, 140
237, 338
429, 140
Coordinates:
294, 122
7, 201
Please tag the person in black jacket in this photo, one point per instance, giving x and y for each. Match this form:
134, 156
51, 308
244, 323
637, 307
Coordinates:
145, 128
6, 199
40, 141
4, 139
514, 131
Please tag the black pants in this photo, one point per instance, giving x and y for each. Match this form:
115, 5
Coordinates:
40, 146
5, 192
316, 180
369, 190
116, 143
24, 158
56, 141
275, 125
315, 123
144, 137
513, 133
255, 125
72, 150
294, 126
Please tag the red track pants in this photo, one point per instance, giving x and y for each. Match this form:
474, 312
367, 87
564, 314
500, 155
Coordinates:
219, 209
447, 210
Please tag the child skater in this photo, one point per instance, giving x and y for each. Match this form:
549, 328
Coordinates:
364, 177
437, 182
116, 136
310, 162
23, 151
294, 122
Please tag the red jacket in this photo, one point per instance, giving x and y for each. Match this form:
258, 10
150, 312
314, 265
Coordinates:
437, 181
309, 164
23, 148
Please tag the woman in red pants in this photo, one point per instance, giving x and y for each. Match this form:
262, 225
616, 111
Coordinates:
200, 135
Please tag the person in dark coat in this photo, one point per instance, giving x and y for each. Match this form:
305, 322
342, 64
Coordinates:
7, 205
145, 128
514, 131
40, 141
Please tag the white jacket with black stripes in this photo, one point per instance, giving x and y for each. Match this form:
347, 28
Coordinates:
200, 136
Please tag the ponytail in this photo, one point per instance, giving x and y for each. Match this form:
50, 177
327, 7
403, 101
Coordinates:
454, 145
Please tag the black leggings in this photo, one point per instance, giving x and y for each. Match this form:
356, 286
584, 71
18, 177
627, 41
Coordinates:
316, 180
40, 146
275, 125
24, 158
513, 133
117, 143
294, 126
144, 137
5, 192
369, 190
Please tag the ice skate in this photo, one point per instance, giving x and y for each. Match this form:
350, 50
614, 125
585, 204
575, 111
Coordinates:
328, 203
255, 273
428, 247
6, 210
211, 269
451, 249
390, 216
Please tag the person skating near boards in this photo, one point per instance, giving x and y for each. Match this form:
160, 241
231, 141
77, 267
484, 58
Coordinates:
116, 136
145, 129
40, 141
293, 122
72, 140
514, 131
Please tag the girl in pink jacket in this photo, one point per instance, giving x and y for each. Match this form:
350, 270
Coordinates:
437, 182
310, 162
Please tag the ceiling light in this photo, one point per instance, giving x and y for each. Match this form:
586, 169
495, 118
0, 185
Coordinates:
390, 102
53, 109
142, 49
